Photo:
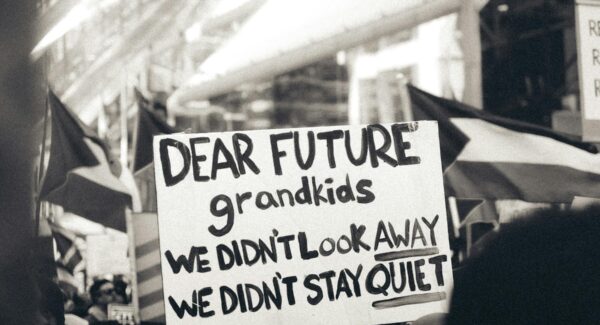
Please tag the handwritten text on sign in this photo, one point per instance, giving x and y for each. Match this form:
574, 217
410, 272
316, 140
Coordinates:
588, 55
303, 225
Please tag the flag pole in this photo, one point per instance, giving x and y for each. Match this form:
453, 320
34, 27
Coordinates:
128, 218
407, 113
38, 202
135, 135
469, 239
123, 120
132, 263
453, 207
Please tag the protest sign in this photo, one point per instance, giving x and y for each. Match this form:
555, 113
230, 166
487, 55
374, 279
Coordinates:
123, 314
587, 16
107, 254
314, 225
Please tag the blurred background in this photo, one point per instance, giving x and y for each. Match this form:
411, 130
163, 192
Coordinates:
235, 64
113, 73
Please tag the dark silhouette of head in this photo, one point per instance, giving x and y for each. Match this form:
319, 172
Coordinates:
542, 270
102, 292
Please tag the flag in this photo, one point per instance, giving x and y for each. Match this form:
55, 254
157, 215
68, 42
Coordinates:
144, 179
45, 262
70, 257
128, 179
149, 124
484, 212
489, 157
66, 281
474, 211
82, 175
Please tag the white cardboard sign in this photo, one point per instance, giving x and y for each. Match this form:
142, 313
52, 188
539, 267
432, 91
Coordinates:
123, 314
107, 254
315, 225
587, 15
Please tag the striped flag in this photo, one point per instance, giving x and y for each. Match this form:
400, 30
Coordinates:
144, 179
70, 257
149, 124
489, 157
82, 175
484, 212
66, 280
147, 262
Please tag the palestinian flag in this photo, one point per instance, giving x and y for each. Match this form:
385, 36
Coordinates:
489, 157
149, 124
70, 257
66, 280
82, 175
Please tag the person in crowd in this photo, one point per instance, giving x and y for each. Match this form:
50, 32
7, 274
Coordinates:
72, 319
51, 302
541, 270
121, 290
102, 293
75, 309
81, 304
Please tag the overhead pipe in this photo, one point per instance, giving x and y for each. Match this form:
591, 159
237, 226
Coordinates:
314, 52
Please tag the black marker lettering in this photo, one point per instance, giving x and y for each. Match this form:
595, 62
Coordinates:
165, 160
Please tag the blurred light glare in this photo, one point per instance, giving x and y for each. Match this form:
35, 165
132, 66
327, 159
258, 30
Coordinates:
503, 7
78, 14
75, 16
193, 33
341, 58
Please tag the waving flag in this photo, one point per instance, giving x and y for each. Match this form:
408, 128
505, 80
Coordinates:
82, 176
489, 157
66, 280
149, 124
70, 257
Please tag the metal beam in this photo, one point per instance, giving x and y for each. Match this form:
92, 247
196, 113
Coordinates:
314, 52
215, 23
471, 46
48, 19
161, 22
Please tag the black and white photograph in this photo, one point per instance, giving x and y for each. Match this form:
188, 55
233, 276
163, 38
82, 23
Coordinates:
407, 162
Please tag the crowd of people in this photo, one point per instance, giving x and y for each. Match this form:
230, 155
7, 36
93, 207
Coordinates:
87, 308
541, 269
